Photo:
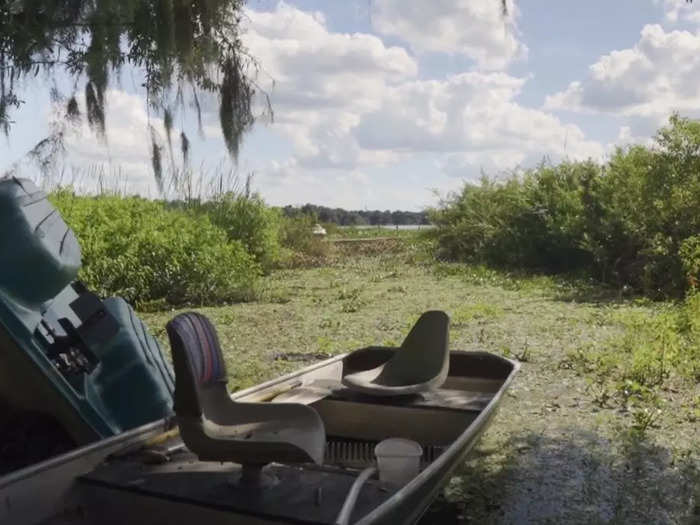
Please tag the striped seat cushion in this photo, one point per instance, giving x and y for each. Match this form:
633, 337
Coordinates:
193, 334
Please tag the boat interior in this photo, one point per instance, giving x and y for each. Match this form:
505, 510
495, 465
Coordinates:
267, 468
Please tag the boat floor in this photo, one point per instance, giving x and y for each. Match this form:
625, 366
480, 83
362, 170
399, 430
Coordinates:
305, 494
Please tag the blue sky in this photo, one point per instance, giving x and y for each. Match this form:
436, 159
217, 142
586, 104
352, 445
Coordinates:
389, 103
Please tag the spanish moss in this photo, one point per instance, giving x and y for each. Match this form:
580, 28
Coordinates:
176, 43
234, 110
94, 109
185, 148
168, 125
156, 161
72, 110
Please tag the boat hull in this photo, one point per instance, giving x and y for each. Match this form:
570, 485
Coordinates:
82, 480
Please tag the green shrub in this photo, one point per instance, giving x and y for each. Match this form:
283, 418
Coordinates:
613, 231
633, 222
146, 253
250, 221
470, 227
534, 221
690, 258
301, 245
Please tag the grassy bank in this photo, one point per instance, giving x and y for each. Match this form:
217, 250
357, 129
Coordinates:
561, 448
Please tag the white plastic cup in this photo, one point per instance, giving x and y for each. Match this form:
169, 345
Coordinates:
398, 460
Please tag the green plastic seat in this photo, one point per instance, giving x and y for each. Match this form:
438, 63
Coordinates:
215, 427
419, 365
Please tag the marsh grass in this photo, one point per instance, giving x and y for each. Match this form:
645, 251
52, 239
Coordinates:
603, 414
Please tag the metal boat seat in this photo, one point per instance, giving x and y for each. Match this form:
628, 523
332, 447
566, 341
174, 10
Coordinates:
215, 427
420, 364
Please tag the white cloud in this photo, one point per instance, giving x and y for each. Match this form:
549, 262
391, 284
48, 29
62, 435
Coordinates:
626, 137
126, 152
470, 112
659, 75
323, 82
347, 68
477, 29
371, 111
679, 10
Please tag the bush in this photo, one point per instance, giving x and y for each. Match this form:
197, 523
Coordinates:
632, 222
690, 258
528, 222
146, 253
302, 247
250, 221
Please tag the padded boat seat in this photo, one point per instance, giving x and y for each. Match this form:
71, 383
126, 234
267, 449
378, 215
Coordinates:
215, 427
421, 363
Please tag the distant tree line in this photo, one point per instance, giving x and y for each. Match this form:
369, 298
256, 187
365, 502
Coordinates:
357, 217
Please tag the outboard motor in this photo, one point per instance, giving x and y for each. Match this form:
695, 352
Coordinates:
89, 363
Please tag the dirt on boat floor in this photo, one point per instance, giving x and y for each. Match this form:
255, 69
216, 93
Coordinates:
554, 454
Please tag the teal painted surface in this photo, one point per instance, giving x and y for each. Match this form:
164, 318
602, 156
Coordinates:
134, 381
39, 259
39, 254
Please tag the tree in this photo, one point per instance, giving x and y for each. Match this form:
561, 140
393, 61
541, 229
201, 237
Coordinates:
183, 48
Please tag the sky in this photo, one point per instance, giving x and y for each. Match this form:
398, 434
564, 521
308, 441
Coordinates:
392, 104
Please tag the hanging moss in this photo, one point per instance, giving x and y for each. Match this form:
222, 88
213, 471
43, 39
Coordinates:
168, 125
156, 161
72, 110
234, 110
175, 42
94, 109
185, 148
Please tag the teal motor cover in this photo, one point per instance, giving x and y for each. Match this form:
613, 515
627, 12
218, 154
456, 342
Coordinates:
97, 354
133, 380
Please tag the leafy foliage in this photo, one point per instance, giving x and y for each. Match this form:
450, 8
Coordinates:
180, 45
531, 222
157, 253
632, 222
301, 246
357, 217
690, 258
249, 220
149, 254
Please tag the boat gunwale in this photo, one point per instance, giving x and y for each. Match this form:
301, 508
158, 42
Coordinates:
133, 437
241, 394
